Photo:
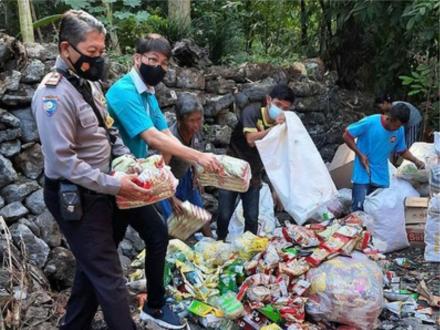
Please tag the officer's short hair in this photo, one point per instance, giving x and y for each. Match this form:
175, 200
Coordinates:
187, 103
75, 24
153, 42
401, 112
282, 92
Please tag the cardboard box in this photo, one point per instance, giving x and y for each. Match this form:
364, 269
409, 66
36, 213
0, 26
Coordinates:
416, 209
341, 167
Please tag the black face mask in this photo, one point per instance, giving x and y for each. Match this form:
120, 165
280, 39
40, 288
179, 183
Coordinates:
151, 75
96, 66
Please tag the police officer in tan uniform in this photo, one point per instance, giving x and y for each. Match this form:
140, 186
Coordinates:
78, 142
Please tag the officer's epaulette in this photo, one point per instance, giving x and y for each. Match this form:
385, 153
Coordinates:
52, 78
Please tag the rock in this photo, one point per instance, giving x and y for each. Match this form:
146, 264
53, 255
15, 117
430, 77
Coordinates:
218, 103
13, 211
187, 53
18, 190
317, 103
125, 262
170, 117
190, 79
36, 249
241, 99
2, 202
171, 76
256, 71
298, 70
5, 55
227, 118
33, 72
29, 131
7, 172
10, 134
134, 238
31, 224
60, 268
22, 97
165, 96
226, 72
327, 152
50, 232
42, 52
11, 82
307, 87
12, 53
10, 148
35, 202
220, 86
218, 135
257, 92
315, 68
30, 161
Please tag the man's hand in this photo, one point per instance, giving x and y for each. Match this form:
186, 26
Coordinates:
365, 163
210, 162
280, 119
130, 190
420, 165
176, 204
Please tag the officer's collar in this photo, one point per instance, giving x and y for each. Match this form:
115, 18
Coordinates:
139, 83
61, 65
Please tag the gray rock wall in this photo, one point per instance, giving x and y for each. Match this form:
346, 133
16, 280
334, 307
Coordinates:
224, 91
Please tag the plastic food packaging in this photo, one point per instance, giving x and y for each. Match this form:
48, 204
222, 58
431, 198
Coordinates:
228, 304
302, 235
214, 253
191, 220
235, 174
248, 245
154, 176
347, 291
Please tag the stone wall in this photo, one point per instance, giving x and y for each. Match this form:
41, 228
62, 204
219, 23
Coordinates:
224, 91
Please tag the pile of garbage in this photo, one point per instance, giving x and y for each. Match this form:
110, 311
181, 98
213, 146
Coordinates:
302, 277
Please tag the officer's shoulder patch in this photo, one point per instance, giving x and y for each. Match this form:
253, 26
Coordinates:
52, 78
50, 103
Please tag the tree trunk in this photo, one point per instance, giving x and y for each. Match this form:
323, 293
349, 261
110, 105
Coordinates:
34, 18
179, 11
113, 35
303, 23
25, 16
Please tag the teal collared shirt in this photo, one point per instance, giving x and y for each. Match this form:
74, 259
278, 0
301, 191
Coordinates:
134, 108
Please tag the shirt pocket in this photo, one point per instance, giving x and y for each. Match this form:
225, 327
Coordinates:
87, 117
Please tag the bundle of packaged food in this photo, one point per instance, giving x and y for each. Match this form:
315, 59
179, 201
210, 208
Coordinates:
235, 174
153, 175
347, 291
191, 219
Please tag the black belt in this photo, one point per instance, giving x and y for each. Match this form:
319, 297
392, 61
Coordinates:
54, 184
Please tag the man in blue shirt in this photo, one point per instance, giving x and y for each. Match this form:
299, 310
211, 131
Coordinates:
378, 136
134, 108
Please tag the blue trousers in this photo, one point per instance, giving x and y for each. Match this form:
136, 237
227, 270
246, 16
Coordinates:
359, 192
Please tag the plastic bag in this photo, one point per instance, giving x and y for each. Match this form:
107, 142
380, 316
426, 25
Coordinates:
192, 219
386, 206
154, 176
408, 171
432, 230
347, 291
434, 180
296, 169
267, 222
235, 176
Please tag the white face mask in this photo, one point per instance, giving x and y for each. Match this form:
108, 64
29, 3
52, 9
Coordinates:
274, 111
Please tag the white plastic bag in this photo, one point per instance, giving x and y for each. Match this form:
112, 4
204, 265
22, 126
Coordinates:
267, 222
408, 171
296, 169
432, 230
346, 290
386, 206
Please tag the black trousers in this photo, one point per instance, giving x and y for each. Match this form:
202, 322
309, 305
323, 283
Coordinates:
98, 279
152, 228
